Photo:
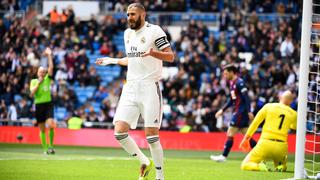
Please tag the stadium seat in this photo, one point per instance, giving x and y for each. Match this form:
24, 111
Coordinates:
60, 113
17, 97
82, 99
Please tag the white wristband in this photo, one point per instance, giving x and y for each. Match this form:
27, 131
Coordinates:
107, 61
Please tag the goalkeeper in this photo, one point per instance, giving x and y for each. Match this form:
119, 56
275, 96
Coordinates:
272, 145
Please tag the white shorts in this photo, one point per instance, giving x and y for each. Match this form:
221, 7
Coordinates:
142, 97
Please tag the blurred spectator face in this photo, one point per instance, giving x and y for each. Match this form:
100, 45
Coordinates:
135, 17
42, 72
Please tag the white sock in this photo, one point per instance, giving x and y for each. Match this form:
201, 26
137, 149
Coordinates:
129, 145
157, 155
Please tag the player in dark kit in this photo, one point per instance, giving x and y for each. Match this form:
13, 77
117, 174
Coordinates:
241, 112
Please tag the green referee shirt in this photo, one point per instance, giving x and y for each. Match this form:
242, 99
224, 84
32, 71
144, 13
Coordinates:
43, 94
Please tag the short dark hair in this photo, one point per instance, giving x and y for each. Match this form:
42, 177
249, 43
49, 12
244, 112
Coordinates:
137, 5
231, 68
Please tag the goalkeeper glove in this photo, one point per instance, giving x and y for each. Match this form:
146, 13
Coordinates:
245, 143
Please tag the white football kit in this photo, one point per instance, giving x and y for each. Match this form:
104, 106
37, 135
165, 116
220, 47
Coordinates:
141, 93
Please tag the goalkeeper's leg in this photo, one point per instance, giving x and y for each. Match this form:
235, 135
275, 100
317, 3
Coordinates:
254, 160
280, 161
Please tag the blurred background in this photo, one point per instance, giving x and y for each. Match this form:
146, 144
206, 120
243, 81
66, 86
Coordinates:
261, 36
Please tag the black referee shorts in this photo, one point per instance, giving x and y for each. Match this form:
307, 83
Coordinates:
44, 111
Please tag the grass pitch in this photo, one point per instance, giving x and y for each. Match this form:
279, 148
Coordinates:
21, 161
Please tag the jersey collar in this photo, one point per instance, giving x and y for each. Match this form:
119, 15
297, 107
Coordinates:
143, 27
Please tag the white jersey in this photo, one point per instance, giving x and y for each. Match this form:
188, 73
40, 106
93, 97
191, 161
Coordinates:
137, 43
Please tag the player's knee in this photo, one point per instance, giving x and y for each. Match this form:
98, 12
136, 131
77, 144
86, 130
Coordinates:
121, 136
243, 166
230, 138
51, 123
121, 127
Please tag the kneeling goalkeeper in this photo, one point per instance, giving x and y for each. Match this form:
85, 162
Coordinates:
272, 145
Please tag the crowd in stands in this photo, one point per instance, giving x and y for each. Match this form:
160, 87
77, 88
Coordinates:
191, 96
266, 6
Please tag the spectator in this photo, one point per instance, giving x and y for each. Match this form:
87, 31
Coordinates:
23, 109
287, 47
54, 16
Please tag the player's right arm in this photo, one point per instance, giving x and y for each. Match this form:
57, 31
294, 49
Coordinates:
226, 106
257, 121
245, 143
104, 61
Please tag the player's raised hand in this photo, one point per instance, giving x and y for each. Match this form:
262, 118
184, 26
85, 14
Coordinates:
245, 144
48, 51
148, 53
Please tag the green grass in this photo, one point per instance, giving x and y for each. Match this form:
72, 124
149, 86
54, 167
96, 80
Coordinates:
20, 161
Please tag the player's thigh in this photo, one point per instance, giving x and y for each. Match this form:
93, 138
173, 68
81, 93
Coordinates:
127, 111
151, 109
280, 153
257, 154
232, 130
243, 130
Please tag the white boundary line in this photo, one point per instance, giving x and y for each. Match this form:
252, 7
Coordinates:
55, 158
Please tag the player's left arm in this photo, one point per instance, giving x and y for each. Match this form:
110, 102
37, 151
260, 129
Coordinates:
244, 93
165, 54
163, 49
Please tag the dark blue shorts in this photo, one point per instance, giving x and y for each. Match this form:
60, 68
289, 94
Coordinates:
240, 120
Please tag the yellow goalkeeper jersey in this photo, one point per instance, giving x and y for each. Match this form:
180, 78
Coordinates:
278, 117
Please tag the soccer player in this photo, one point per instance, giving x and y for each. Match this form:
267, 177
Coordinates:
241, 112
40, 90
146, 48
278, 119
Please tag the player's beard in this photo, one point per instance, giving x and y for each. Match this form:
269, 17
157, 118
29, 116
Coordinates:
135, 24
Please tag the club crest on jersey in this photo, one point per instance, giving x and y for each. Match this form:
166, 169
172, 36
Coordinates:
143, 40
127, 41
